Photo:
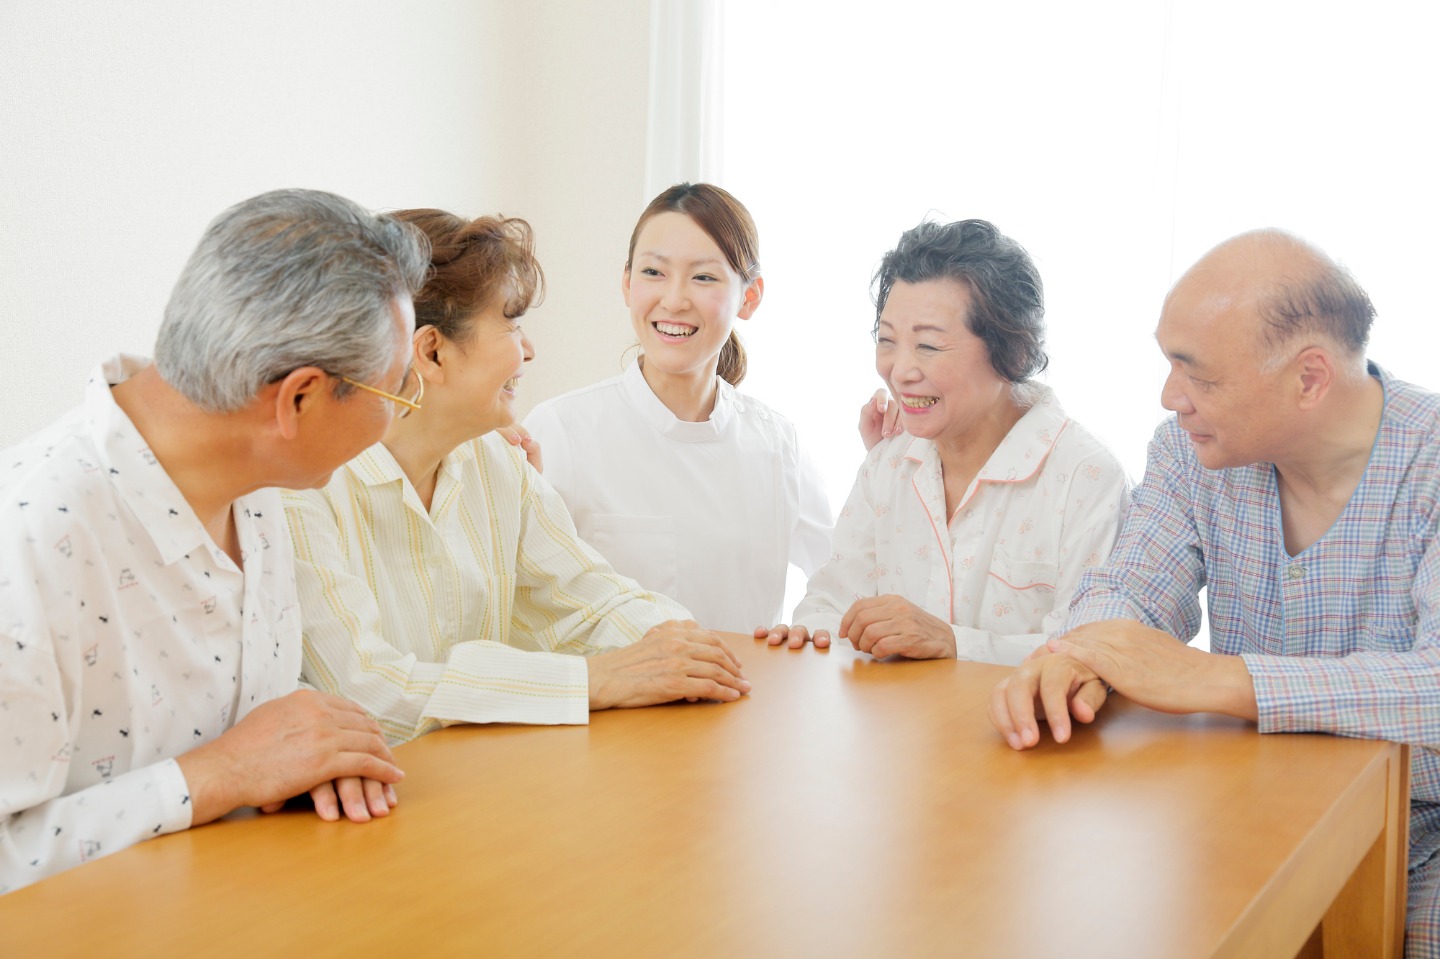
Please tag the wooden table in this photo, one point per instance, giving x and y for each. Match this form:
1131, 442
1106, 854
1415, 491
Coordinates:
845, 808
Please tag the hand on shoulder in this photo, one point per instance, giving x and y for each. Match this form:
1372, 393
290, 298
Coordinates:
879, 420
519, 436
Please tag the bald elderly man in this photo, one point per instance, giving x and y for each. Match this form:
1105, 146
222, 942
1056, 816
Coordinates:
1300, 484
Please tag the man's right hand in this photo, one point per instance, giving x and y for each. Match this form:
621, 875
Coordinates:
1045, 686
675, 660
283, 748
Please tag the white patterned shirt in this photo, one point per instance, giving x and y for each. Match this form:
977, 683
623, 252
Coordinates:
471, 611
1046, 506
127, 636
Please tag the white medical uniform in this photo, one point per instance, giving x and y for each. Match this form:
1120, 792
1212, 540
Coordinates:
709, 513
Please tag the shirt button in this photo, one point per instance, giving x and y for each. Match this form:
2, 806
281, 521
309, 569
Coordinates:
1296, 571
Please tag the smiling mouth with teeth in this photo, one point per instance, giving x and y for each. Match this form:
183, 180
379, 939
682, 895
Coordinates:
673, 329
509, 385
919, 402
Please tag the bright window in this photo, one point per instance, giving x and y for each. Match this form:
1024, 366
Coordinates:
1117, 141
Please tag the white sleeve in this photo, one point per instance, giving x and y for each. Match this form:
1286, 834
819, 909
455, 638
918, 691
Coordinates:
810, 541
42, 830
843, 580
348, 654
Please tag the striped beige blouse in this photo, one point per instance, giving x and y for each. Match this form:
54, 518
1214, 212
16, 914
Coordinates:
477, 610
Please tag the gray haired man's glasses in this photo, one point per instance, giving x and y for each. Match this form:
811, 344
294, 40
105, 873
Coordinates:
403, 407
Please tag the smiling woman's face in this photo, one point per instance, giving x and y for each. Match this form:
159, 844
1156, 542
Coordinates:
683, 295
485, 367
937, 370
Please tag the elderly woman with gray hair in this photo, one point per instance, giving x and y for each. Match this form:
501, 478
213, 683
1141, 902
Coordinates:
966, 534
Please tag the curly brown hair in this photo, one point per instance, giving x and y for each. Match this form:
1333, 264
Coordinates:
471, 261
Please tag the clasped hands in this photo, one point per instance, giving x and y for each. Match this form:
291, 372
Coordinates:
882, 626
1065, 680
308, 741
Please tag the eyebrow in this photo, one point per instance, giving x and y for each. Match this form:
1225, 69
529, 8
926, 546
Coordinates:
922, 328
665, 259
1176, 355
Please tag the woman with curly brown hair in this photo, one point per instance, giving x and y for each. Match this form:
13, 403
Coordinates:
441, 579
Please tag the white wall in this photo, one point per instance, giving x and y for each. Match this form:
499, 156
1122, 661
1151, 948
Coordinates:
573, 133
125, 127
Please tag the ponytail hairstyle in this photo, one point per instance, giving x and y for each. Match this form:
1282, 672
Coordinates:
470, 262
726, 221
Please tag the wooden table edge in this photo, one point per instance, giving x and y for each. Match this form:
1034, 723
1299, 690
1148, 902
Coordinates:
1343, 890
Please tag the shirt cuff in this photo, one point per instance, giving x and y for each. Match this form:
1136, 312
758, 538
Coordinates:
983, 646
493, 683
162, 795
814, 621
1096, 610
1275, 699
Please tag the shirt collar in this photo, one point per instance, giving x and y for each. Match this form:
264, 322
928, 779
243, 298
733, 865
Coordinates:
377, 467
133, 470
658, 415
1023, 450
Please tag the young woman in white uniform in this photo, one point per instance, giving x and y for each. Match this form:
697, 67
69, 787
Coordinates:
440, 578
682, 482
965, 534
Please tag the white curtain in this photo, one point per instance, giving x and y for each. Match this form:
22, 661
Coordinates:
686, 93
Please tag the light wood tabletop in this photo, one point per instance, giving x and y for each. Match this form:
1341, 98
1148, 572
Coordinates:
845, 808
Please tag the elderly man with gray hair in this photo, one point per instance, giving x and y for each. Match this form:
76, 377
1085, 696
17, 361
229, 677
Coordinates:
149, 631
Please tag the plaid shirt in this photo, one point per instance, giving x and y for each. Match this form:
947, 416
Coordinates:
1343, 638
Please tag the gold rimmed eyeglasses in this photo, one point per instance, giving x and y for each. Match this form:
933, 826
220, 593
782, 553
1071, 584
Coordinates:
403, 407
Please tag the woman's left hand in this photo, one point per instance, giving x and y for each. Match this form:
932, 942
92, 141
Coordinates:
519, 436
893, 626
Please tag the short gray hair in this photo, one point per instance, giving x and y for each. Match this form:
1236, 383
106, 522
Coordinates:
1329, 301
287, 279
1007, 298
